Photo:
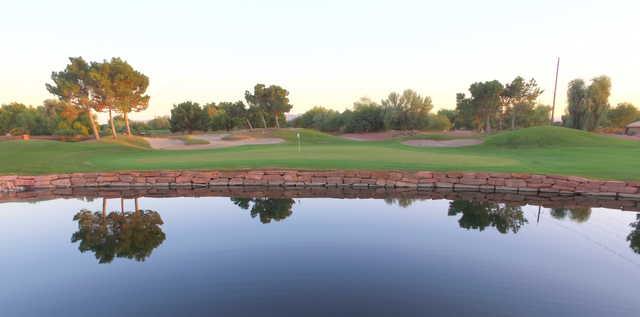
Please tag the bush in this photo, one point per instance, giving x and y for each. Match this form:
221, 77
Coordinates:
438, 123
319, 118
365, 117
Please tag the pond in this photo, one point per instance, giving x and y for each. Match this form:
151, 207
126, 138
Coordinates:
315, 256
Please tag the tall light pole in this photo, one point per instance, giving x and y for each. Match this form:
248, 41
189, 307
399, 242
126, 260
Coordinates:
555, 89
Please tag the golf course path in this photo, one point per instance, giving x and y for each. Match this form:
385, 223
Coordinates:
444, 143
215, 141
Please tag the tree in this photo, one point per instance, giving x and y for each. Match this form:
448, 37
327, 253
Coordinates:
588, 105
238, 111
62, 118
407, 111
367, 116
485, 100
103, 91
577, 109
73, 85
438, 123
622, 115
319, 118
598, 92
188, 116
129, 87
519, 94
271, 100
465, 114
451, 115
159, 123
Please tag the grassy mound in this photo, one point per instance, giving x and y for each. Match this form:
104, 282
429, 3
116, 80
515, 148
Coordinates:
130, 141
548, 136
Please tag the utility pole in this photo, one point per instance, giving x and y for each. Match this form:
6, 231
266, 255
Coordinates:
555, 89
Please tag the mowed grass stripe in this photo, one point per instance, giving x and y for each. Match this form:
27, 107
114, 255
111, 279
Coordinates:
546, 150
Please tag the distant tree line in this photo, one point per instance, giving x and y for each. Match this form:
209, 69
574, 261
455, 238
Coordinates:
51, 118
399, 111
265, 107
115, 87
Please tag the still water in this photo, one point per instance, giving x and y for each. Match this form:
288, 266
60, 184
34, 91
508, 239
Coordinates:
220, 256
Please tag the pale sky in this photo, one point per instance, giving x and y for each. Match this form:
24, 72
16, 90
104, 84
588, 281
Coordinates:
326, 53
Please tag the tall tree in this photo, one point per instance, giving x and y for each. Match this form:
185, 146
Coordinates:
577, 108
103, 90
485, 98
74, 86
272, 100
130, 88
588, 105
519, 93
465, 115
598, 92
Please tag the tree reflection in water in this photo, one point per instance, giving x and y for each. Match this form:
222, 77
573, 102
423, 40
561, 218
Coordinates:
480, 215
634, 235
267, 208
402, 202
131, 235
577, 214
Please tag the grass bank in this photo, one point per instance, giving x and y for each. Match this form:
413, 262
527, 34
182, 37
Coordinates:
548, 150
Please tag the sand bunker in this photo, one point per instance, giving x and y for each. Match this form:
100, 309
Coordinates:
215, 141
444, 143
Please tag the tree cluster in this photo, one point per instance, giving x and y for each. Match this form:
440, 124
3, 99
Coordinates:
622, 115
406, 111
587, 105
51, 118
265, 107
111, 86
492, 105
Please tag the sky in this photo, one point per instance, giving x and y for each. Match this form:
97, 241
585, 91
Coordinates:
326, 53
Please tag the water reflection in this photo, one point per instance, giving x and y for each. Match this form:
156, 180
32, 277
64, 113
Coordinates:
267, 208
634, 236
577, 214
480, 215
124, 234
135, 234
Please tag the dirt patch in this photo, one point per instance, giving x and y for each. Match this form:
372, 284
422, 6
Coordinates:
215, 141
444, 143
624, 136
386, 135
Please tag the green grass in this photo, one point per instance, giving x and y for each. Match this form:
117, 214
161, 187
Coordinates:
535, 150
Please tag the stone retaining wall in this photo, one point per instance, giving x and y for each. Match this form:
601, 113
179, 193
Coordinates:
481, 182
546, 200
